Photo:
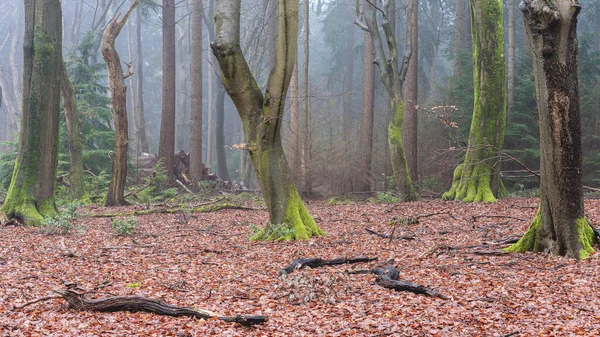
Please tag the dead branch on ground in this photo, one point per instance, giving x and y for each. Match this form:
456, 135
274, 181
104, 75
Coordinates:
318, 262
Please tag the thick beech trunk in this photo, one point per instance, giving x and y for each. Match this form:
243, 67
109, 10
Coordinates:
118, 90
477, 178
76, 179
196, 92
392, 77
261, 115
31, 193
560, 227
166, 146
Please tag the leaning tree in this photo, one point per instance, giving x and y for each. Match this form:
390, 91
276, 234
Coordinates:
393, 80
262, 114
560, 226
118, 91
477, 178
31, 193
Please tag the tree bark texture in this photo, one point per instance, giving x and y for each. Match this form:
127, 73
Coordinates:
139, 116
31, 193
76, 179
411, 94
166, 146
560, 227
182, 83
220, 136
393, 80
262, 115
510, 90
477, 178
118, 90
306, 139
367, 116
196, 92
294, 151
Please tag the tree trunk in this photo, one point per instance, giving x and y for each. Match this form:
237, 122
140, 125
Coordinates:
560, 227
166, 146
118, 90
261, 116
220, 136
366, 125
306, 176
458, 36
386, 60
294, 151
510, 90
411, 94
31, 193
196, 92
182, 90
76, 179
140, 118
477, 178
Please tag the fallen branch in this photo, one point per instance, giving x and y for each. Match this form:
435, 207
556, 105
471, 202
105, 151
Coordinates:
387, 277
183, 186
318, 262
475, 217
78, 301
41, 299
386, 236
202, 209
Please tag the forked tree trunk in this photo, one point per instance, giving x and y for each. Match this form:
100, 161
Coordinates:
261, 115
477, 178
196, 92
392, 77
118, 90
560, 227
76, 179
31, 193
166, 146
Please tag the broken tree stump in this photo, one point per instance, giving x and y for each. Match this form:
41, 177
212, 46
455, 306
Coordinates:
78, 300
318, 262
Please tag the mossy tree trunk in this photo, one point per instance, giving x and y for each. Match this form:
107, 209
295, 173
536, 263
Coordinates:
560, 227
76, 179
118, 90
31, 193
386, 60
262, 115
477, 177
220, 136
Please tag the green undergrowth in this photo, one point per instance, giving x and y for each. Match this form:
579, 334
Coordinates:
64, 222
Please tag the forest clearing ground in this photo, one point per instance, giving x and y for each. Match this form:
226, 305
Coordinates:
204, 260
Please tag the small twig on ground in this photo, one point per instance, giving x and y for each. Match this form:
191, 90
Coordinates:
183, 186
511, 333
386, 236
591, 188
475, 217
41, 299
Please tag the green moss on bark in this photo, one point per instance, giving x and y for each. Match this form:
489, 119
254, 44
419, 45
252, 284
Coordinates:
298, 221
402, 177
531, 240
587, 237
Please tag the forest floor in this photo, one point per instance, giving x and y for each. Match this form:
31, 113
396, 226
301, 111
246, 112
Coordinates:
204, 260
